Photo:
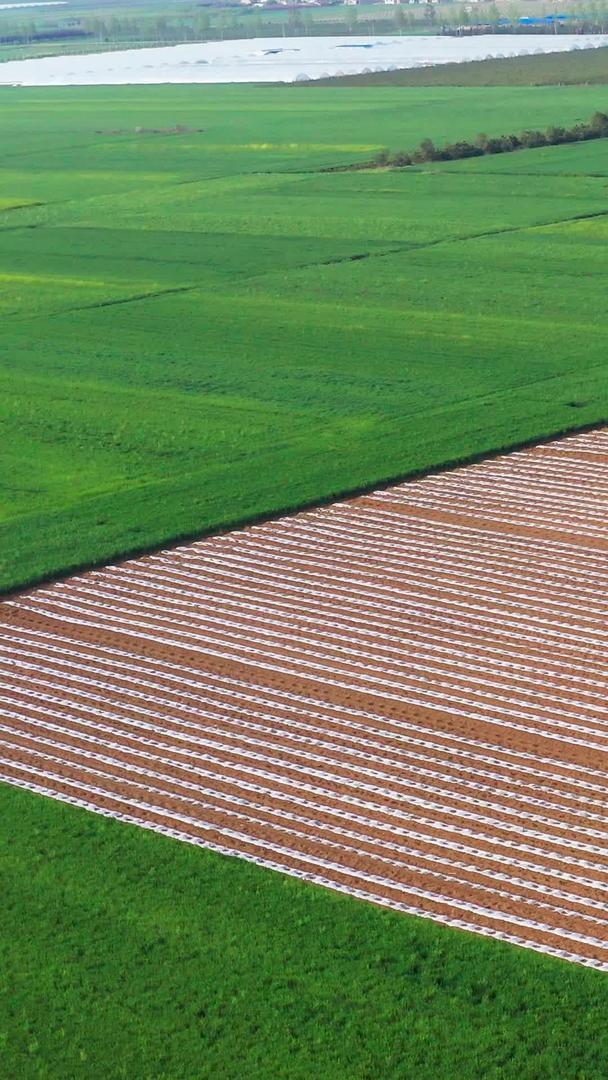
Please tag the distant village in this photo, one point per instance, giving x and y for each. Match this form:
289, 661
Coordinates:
522, 23
219, 20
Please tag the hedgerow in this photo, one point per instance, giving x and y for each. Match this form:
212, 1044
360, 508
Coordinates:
595, 128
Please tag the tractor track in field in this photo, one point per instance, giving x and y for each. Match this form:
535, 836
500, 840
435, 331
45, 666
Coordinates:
401, 696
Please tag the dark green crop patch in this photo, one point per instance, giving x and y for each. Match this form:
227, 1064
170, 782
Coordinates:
125, 954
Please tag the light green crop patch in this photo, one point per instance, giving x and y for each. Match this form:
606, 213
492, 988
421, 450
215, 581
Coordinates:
16, 203
301, 148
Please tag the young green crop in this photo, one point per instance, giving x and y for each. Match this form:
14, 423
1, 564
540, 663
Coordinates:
201, 328
125, 954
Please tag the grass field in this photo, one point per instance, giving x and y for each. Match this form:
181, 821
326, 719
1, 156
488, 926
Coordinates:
128, 955
202, 328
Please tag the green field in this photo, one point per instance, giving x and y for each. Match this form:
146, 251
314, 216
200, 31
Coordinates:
128, 955
204, 327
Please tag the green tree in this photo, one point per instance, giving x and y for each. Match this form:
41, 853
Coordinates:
294, 21
202, 24
161, 27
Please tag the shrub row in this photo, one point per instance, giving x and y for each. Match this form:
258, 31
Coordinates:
595, 128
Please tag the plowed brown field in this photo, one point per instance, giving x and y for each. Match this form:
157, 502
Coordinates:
402, 696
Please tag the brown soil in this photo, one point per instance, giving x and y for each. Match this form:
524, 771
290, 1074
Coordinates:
402, 696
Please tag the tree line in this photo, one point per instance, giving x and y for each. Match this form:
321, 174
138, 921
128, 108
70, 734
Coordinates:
595, 128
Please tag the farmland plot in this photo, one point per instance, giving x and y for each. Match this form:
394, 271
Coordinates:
401, 697
202, 328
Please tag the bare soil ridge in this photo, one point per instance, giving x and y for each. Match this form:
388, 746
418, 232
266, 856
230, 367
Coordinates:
401, 696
